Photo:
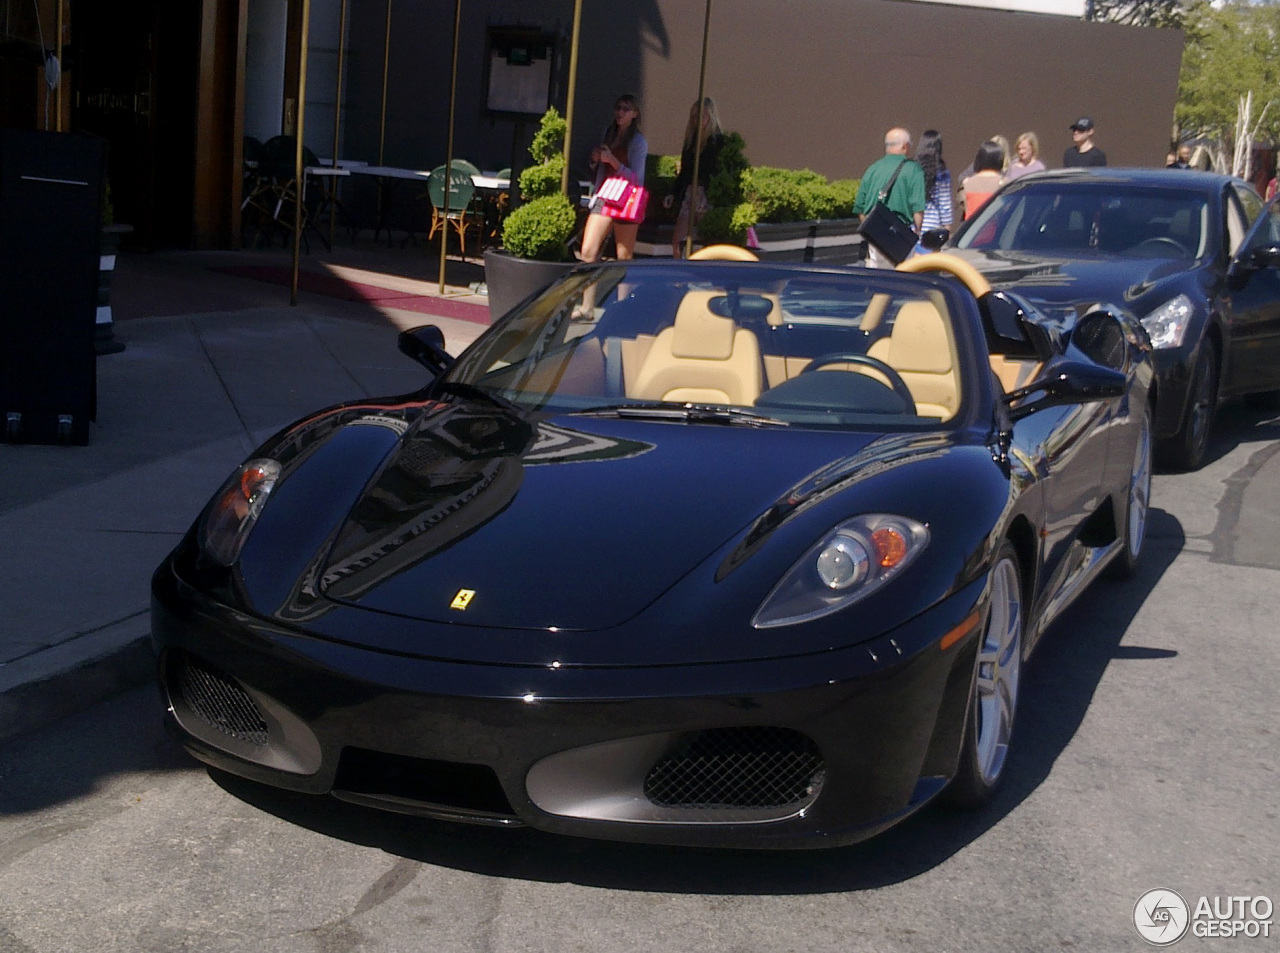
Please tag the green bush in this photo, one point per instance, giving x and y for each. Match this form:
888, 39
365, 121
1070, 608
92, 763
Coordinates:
731, 214
540, 229
548, 141
790, 195
539, 181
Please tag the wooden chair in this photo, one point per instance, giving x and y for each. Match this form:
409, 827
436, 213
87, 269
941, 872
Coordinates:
458, 212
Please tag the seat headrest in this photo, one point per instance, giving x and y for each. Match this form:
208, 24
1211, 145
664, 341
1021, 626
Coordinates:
919, 340
698, 334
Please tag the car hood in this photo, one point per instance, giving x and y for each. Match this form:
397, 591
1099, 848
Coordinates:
479, 517
1077, 281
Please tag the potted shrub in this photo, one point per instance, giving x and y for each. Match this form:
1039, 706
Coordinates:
535, 236
803, 217
782, 214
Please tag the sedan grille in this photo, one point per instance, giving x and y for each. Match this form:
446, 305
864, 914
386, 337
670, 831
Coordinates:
739, 768
221, 703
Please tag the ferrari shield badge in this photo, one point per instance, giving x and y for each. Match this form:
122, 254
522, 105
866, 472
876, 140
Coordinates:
462, 599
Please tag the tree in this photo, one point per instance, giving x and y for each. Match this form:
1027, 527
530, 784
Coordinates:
1232, 54
1160, 13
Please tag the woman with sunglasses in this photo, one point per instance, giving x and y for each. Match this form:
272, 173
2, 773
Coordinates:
622, 152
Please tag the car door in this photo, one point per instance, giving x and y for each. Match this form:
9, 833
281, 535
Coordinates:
1253, 304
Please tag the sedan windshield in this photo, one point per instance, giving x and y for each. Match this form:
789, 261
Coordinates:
728, 344
1092, 219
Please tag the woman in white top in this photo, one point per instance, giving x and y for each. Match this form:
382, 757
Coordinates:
1028, 161
623, 152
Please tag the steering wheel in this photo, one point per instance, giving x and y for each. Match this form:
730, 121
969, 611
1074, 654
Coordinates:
941, 261
1157, 241
866, 360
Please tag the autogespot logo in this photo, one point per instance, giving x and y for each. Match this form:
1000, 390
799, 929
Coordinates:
1161, 916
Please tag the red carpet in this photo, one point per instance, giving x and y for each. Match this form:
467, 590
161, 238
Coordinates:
334, 287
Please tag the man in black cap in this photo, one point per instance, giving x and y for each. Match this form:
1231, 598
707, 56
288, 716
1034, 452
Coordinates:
1083, 152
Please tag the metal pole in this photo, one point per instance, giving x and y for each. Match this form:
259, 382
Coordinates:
299, 172
448, 151
573, 86
386, 61
337, 110
697, 137
57, 97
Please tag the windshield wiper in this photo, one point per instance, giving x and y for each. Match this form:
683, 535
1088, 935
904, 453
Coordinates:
685, 413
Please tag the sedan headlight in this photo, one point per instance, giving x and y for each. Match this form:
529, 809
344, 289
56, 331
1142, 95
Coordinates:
852, 561
1168, 323
235, 510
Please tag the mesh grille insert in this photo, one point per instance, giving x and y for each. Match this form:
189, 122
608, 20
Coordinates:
739, 768
217, 700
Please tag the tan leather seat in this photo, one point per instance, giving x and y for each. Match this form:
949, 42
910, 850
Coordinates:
701, 358
920, 349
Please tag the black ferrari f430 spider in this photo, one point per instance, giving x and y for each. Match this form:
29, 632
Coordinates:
722, 553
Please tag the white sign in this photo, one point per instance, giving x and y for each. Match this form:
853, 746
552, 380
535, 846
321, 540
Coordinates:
1063, 8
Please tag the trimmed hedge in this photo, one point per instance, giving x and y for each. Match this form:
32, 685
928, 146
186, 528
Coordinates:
540, 229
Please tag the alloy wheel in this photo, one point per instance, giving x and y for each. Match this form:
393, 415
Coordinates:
999, 672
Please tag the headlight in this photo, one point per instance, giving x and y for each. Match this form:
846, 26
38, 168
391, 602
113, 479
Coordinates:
235, 509
852, 561
1168, 323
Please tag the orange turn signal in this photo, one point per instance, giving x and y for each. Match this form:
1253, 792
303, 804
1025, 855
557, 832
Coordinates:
891, 547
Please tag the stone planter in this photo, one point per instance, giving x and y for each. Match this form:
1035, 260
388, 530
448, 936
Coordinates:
510, 279
826, 241
104, 339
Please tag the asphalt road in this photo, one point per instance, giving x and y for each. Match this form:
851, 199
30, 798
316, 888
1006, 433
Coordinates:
1146, 756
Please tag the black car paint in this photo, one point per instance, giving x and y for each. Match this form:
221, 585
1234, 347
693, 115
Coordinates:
1237, 308
886, 704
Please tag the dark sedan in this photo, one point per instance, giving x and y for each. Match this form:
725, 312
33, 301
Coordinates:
1189, 252
705, 552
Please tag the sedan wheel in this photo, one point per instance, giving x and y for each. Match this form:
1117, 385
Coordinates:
1186, 450
995, 688
1137, 507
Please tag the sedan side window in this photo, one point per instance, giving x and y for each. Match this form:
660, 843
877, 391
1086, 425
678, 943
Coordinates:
1251, 202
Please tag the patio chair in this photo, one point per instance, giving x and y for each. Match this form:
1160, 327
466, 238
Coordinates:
460, 215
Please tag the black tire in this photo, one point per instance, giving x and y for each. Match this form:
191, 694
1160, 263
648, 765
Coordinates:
1136, 505
1186, 449
993, 700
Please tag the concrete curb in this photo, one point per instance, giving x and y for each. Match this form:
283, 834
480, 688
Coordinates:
47, 685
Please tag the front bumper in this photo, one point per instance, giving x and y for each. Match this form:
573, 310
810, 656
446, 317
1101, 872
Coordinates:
808, 751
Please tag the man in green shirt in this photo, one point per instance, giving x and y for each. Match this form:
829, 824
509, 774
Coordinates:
907, 198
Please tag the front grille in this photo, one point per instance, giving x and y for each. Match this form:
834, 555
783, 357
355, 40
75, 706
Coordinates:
218, 701
739, 768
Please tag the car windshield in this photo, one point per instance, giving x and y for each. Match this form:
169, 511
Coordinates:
713, 342
1092, 219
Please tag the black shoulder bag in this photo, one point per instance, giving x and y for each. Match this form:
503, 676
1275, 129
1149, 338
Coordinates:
883, 228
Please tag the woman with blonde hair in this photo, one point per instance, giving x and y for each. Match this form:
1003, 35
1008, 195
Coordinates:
705, 143
1028, 158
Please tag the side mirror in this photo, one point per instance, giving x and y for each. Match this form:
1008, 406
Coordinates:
1066, 382
934, 238
1255, 259
425, 345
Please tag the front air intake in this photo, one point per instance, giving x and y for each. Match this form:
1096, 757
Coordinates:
218, 701
738, 768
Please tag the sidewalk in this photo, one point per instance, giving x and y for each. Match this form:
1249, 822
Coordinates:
215, 362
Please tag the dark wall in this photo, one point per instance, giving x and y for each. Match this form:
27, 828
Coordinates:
817, 86
813, 85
